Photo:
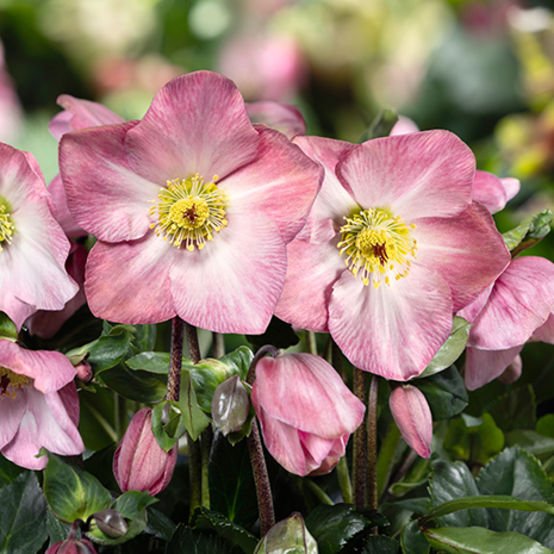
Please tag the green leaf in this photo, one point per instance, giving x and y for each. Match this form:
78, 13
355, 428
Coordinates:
417, 476
382, 125
529, 233
545, 426
531, 441
140, 386
194, 419
452, 349
22, 515
168, 424
159, 525
8, 471
111, 348
71, 493
153, 362
516, 409
389, 452
57, 530
8, 330
189, 541
445, 393
239, 361
476, 540
379, 545
412, 540
289, 535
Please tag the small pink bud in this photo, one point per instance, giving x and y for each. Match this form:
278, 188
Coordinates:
72, 546
84, 371
412, 414
139, 463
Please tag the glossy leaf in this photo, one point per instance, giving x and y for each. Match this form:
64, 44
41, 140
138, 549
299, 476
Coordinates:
153, 362
529, 232
186, 540
412, 540
194, 419
445, 392
7, 327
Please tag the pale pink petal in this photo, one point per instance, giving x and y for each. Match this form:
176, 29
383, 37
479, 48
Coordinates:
284, 118
318, 403
280, 184
312, 270
521, 301
129, 282
11, 412
105, 196
16, 310
197, 123
412, 414
233, 284
336, 452
466, 250
511, 186
61, 211
49, 370
70, 399
315, 448
425, 174
492, 192
483, 366
60, 124
404, 126
393, 331
545, 333
513, 372
473, 309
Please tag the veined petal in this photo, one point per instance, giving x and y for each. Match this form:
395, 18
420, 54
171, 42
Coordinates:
473, 309
492, 192
404, 126
483, 366
17, 310
393, 331
545, 333
61, 211
284, 118
11, 413
425, 174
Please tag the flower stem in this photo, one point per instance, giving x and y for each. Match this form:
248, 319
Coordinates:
192, 341
174, 376
218, 345
312, 343
345, 484
205, 447
372, 443
318, 492
359, 454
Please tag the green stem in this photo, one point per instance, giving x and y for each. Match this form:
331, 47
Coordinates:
218, 345
318, 492
205, 448
345, 484
372, 443
312, 343
359, 454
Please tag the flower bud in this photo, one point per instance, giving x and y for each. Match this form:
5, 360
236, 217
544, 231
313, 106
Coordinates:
84, 371
72, 546
139, 463
230, 406
111, 523
289, 535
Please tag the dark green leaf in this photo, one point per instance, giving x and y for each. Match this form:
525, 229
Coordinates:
140, 386
145, 337
445, 393
545, 426
239, 360
159, 525
8, 471
189, 541
7, 327
529, 232
111, 348
132, 504
380, 545
168, 424
194, 419
56, 529
96, 422
533, 442
153, 362
515, 409
416, 477
412, 540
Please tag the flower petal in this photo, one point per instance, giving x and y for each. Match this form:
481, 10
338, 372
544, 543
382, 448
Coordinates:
416, 175
141, 293
284, 118
492, 192
404, 126
61, 211
483, 366
105, 196
11, 413
545, 333
393, 331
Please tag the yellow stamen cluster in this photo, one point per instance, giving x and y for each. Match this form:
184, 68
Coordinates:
7, 227
377, 245
189, 212
11, 382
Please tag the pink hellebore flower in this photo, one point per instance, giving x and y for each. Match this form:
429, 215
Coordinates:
517, 308
11, 116
39, 407
194, 202
139, 463
392, 247
412, 414
33, 247
306, 412
72, 546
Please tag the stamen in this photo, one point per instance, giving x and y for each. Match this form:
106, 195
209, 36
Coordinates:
7, 227
11, 383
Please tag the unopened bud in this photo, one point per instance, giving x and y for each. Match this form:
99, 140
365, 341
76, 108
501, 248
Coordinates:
289, 535
84, 371
72, 546
111, 523
230, 406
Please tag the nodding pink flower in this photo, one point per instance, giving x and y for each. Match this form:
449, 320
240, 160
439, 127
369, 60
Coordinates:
195, 202
306, 412
139, 463
412, 414
39, 406
33, 247
72, 546
392, 247
517, 308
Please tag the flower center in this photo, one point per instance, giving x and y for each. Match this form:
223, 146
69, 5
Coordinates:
7, 227
11, 382
377, 245
189, 212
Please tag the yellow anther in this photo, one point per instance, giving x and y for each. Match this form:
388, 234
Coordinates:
7, 227
11, 382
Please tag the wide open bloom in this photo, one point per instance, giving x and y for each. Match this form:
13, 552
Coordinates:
194, 202
33, 247
39, 407
517, 308
392, 247
305, 410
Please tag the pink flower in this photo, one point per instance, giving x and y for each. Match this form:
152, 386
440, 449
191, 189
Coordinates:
392, 247
33, 247
10, 110
412, 414
39, 407
139, 463
281, 117
194, 202
72, 546
515, 309
305, 410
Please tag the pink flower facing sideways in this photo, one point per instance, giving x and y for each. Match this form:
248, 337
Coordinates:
306, 412
392, 247
194, 202
39, 407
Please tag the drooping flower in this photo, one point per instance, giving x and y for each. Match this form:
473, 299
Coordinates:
194, 202
11, 116
515, 309
139, 464
305, 410
72, 546
33, 247
39, 407
392, 247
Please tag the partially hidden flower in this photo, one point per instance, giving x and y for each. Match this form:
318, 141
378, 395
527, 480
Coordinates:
139, 464
392, 247
517, 308
412, 415
11, 115
306, 412
33, 247
195, 202
39, 406
282, 117
72, 546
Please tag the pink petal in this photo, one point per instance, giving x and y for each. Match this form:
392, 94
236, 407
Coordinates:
336, 452
425, 174
393, 331
545, 333
513, 372
311, 272
280, 184
483, 366
11, 413
316, 448
60, 124
511, 186
284, 118
520, 302
105, 196
412, 414
139, 294
61, 211
466, 250
492, 192
16, 310
404, 126
473, 309
239, 275
197, 123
